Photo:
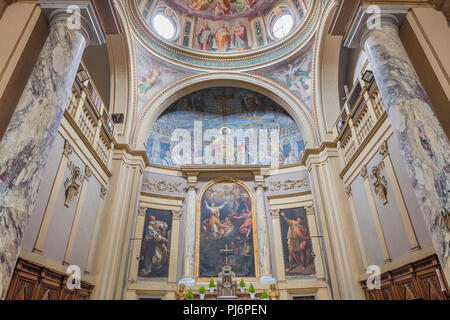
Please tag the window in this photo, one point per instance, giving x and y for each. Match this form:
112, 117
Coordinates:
164, 26
282, 25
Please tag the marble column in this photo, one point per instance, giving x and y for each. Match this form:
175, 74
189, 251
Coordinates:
423, 143
265, 267
29, 137
188, 277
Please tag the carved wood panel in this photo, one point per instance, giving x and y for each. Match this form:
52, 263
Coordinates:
34, 282
414, 281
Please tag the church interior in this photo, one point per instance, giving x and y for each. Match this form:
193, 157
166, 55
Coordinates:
224, 150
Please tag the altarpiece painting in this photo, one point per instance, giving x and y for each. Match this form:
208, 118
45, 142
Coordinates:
226, 220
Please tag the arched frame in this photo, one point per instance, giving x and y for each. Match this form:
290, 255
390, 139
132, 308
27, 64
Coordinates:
294, 107
198, 222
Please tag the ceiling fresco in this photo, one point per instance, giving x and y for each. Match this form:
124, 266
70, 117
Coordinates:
221, 9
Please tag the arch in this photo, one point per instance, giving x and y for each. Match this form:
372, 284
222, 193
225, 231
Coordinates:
294, 107
326, 75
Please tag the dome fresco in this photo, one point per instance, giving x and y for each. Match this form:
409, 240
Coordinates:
221, 26
221, 9
234, 109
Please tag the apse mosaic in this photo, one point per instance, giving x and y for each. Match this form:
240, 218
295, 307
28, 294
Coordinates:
154, 257
226, 108
297, 245
226, 232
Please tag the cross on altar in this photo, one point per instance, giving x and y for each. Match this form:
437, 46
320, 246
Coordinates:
224, 98
226, 252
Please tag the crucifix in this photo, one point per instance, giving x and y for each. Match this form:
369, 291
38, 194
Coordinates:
226, 252
224, 98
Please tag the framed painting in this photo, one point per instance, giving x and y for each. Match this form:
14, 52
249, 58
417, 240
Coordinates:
225, 230
154, 257
297, 244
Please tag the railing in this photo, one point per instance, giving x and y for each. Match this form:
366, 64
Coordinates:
362, 112
87, 112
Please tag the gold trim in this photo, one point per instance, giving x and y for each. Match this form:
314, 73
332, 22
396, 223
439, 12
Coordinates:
197, 235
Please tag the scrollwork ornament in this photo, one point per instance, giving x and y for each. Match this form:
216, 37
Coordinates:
68, 149
384, 149
379, 184
72, 185
364, 172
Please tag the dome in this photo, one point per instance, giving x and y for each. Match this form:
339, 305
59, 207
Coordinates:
225, 33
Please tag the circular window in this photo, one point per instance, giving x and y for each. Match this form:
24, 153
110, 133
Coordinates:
282, 25
164, 26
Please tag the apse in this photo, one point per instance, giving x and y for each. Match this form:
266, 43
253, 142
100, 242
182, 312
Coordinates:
225, 126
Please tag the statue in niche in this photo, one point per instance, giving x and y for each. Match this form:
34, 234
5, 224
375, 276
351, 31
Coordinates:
274, 294
379, 184
71, 185
180, 292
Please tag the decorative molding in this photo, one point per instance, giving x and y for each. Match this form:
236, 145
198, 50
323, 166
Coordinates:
176, 214
68, 149
380, 183
87, 173
363, 172
141, 211
275, 213
348, 190
384, 150
72, 185
289, 184
162, 186
309, 210
103, 191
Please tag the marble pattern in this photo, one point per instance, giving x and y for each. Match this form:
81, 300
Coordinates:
189, 236
263, 235
29, 137
423, 143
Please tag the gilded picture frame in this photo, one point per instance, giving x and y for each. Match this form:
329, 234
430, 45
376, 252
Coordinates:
198, 233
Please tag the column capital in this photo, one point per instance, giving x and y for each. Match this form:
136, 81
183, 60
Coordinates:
176, 214
141, 211
78, 15
191, 185
366, 20
260, 184
275, 213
